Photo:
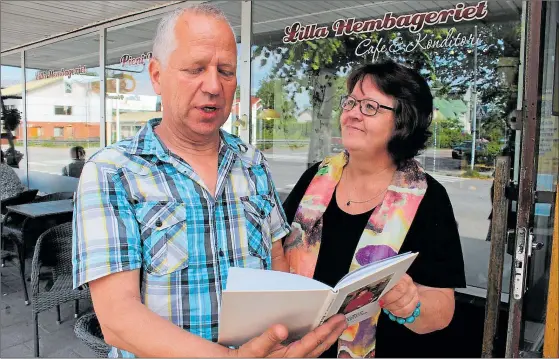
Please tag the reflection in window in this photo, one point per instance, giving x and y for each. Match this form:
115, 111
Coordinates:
11, 89
63, 110
298, 85
130, 98
35, 132
63, 103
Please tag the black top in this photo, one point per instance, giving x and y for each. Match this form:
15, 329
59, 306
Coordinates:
74, 168
433, 234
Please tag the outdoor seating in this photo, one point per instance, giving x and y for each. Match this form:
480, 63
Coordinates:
53, 250
21, 231
54, 196
88, 330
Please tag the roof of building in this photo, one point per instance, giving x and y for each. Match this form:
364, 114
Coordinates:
30, 86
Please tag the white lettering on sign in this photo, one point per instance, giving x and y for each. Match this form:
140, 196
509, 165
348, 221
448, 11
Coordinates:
421, 42
414, 23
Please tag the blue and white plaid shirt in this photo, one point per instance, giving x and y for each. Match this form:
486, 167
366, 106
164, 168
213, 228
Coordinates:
138, 206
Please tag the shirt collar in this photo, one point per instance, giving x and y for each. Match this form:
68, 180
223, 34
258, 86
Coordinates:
146, 142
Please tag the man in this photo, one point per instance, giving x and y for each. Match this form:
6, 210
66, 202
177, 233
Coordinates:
160, 218
74, 168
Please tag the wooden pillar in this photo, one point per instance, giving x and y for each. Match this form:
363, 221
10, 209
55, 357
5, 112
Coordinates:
551, 338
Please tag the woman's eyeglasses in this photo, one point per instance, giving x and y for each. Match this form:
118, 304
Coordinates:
368, 107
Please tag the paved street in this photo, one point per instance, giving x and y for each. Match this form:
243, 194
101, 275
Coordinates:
470, 197
16, 335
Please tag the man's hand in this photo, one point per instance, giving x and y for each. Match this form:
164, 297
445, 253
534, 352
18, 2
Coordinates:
402, 299
268, 345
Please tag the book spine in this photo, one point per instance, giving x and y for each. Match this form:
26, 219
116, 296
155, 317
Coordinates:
324, 316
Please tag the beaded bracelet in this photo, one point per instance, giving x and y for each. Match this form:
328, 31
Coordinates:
400, 320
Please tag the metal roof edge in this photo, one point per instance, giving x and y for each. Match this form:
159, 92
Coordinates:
152, 11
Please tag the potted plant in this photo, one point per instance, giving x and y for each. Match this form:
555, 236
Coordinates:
11, 119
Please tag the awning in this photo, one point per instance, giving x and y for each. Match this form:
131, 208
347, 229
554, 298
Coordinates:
28, 21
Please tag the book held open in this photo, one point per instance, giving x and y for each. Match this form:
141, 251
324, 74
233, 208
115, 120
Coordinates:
256, 299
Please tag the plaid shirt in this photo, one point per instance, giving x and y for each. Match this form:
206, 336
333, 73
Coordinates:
139, 206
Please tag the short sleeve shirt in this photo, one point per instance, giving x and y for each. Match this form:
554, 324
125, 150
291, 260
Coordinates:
139, 206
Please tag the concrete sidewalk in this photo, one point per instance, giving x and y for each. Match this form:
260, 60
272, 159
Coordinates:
16, 333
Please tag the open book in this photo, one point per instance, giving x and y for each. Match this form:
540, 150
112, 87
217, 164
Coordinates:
256, 299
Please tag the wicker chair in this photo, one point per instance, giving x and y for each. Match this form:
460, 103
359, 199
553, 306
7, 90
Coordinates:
57, 196
54, 250
23, 232
21, 198
88, 330
7, 236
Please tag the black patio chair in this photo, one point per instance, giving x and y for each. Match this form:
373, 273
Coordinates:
13, 252
88, 330
54, 251
57, 196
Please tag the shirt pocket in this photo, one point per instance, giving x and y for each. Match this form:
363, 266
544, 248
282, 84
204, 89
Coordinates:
257, 209
164, 237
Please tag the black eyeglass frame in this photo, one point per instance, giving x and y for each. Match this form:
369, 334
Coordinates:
378, 105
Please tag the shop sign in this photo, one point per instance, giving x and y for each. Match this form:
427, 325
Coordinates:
413, 23
41, 75
115, 97
128, 60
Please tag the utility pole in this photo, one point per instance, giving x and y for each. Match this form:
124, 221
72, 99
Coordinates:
473, 101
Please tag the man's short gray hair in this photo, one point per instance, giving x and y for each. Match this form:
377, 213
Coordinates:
165, 42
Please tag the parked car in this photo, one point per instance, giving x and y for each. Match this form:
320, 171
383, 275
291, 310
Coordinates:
464, 151
464, 148
458, 151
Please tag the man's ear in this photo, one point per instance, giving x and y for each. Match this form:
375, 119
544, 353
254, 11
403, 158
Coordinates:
154, 69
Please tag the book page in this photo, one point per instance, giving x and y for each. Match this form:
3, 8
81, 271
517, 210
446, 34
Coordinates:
370, 269
245, 315
357, 297
248, 279
256, 299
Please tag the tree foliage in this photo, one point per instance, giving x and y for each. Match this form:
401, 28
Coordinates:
314, 67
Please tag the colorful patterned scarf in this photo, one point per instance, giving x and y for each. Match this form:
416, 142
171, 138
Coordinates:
382, 238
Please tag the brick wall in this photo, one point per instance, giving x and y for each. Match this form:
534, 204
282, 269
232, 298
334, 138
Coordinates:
60, 131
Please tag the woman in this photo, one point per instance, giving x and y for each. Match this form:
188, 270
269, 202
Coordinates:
11, 184
373, 201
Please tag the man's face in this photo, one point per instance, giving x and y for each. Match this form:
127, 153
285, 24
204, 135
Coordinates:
198, 82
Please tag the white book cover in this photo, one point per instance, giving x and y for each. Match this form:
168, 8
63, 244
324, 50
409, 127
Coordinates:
256, 299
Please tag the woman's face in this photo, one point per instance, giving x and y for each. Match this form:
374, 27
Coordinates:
363, 133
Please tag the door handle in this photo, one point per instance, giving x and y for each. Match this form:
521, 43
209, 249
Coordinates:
533, 245
519, 280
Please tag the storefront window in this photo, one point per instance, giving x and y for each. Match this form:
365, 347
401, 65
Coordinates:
11, 89
300, 64
130, 99
546, 182
63, 103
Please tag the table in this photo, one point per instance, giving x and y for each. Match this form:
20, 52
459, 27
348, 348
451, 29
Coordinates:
39, 216
42, 209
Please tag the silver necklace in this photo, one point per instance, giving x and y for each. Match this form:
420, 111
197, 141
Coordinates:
349, 201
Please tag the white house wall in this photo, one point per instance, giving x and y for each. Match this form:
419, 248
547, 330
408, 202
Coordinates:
85, 104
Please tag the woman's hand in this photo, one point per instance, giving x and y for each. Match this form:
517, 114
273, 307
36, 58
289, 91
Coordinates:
279, 262
402, 299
